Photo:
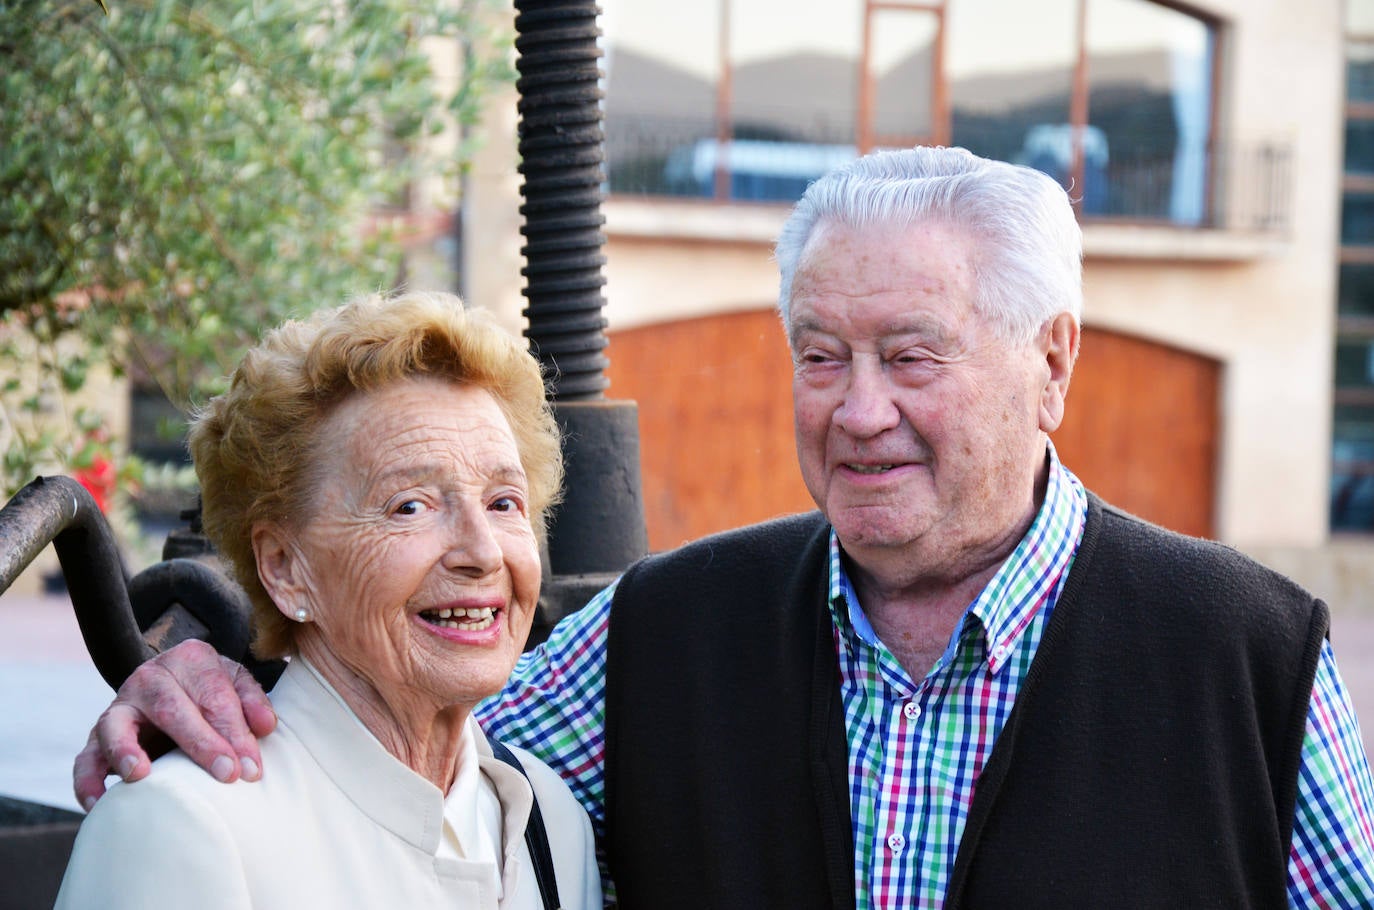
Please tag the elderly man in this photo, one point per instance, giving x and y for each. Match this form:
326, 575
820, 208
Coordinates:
966, 681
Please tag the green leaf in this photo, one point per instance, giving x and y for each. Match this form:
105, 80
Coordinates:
73, 374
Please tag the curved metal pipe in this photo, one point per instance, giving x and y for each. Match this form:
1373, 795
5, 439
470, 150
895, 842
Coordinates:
60, 510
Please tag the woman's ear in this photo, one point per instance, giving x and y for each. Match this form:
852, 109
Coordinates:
1061, 350
281, 569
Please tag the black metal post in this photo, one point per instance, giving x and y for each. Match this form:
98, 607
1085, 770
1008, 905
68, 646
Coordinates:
561, 155
599, 529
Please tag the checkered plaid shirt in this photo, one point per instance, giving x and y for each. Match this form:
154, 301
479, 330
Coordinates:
917, 746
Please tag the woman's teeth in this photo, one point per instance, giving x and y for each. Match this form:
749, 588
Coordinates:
470, 619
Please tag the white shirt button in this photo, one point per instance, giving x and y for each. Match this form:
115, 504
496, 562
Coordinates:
896, 842
999, 653
911, 710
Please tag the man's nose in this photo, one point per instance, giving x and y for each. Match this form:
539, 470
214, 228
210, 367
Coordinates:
869, 405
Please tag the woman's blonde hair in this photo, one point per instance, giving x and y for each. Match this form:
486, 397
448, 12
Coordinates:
254, 445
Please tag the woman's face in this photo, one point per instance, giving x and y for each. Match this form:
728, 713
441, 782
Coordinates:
419, 566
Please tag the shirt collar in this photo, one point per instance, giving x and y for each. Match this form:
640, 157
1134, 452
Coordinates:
393, 795
388, 791
1029, 579
515, 794
474, 839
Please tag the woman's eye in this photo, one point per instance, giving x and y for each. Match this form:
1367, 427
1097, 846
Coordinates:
410, 507
505, 504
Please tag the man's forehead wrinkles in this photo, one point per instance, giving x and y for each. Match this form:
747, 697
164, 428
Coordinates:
900, 325
913, 323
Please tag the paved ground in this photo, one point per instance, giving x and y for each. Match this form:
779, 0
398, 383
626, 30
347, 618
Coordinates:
50, 693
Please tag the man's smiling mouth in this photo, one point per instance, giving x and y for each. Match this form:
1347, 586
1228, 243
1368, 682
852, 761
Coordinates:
870, 468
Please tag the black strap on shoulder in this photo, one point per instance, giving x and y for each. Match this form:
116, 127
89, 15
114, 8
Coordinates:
536, 837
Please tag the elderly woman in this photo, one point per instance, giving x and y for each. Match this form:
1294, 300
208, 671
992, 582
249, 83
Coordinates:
377, 477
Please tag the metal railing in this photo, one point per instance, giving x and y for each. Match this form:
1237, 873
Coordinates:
1240, 186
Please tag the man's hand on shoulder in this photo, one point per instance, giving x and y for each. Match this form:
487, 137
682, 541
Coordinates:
188, 696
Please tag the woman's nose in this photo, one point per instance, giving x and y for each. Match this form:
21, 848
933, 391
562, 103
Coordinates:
473, 547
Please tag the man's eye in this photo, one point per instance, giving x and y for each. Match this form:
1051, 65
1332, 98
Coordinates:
907, 358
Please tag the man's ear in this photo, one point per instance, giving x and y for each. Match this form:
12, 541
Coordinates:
1060, 350
280, 568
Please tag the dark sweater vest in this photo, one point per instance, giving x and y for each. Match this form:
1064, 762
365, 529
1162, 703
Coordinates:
1150, 760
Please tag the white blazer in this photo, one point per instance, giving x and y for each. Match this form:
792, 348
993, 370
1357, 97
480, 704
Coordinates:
336, 821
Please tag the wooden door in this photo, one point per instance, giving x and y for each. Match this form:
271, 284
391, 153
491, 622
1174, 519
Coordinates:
715, 422
1140, 429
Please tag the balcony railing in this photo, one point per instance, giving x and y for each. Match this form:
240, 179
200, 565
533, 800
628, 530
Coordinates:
1240, 187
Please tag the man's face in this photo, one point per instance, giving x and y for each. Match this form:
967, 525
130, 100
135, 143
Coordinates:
918, 429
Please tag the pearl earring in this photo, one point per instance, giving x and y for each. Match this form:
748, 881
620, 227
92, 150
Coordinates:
302, 614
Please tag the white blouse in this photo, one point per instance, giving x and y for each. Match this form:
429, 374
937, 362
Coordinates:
336, 821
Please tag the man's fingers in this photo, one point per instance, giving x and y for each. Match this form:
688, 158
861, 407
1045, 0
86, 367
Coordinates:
199, 712
113, 747
209, 706
257, 708
88, 773
194, 696
116, 736
249, 715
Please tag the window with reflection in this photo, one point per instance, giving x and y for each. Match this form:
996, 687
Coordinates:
1150, 90
1352, 475
1355, 294
1359, 72
901, 76
752, 99
746, 99
1357, 218
1352, 432
792, 94
1359, 147
662, 67
1011, 70
1355, 364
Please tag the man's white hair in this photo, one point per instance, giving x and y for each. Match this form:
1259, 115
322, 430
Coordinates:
1028, 246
